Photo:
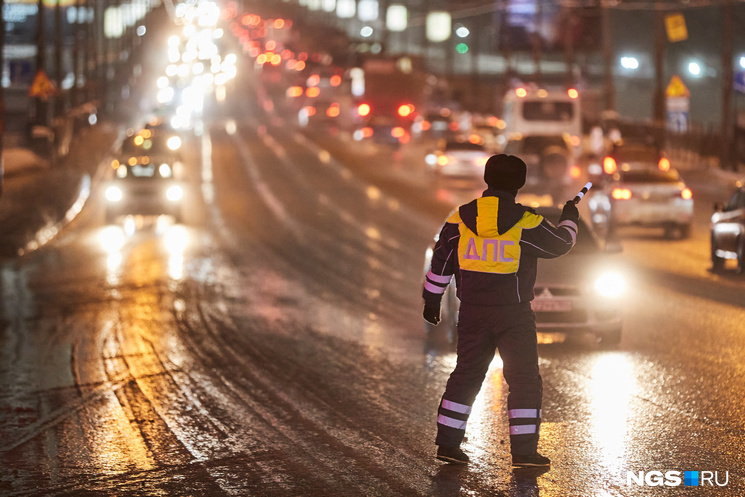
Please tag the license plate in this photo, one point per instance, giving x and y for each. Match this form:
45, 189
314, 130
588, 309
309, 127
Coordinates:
552, 305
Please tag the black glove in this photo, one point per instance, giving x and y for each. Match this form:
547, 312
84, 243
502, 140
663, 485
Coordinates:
570, 212
432, 313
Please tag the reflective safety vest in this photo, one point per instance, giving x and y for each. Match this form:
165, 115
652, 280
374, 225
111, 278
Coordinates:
492, 246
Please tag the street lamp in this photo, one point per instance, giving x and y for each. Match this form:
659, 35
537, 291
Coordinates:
630, 63
694, 68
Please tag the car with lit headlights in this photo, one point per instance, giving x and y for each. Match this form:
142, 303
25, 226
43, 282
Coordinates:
579, 294
458, 158
144, 187
550, 159
728, 232
153, 141
648, 194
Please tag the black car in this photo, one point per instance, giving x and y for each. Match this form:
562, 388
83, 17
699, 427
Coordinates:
728, 232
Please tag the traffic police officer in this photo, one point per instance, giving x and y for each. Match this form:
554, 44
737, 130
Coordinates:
492, 246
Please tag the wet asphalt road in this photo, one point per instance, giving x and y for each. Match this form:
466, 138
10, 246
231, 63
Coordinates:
273, 345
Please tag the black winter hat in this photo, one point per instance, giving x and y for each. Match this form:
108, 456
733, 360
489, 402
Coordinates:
505, 172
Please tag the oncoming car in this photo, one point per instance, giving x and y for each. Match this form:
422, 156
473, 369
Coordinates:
646, 195
144, 187
578, 294
458, 159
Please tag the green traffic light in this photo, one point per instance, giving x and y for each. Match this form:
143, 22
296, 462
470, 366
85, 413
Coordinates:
461, 48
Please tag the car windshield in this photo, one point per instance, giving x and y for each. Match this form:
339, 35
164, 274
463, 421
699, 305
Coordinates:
636, 154
137, 145
540, 110
139, 171
537, 144
464, 146
649, 176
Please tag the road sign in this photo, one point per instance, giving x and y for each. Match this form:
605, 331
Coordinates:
41, 87
676, 88
740, 81
675, 25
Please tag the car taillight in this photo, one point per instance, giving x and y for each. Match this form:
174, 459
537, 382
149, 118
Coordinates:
609, 165
310, 111
443, 160
664, 164
363, 110
621, 193
294, 91
405, 110
686, 193
398, 132
333, 110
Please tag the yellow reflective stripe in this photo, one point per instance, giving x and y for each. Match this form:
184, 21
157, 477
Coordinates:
529, 221
487, 214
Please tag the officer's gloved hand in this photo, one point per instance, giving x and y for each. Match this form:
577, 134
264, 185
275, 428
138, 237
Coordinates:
570, 212
431, 313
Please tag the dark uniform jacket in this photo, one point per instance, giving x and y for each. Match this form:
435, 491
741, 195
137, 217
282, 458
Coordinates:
492, 246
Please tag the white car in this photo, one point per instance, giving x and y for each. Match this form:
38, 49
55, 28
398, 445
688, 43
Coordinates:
458, 159
579, 293
644, 194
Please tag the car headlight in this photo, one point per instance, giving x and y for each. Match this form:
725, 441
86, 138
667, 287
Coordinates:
174, 193
174, 143
114, 194
610, 285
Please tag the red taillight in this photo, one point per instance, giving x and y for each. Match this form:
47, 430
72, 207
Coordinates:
398, 132
686, 193
609, 165
294, 91
621, 193
367, 132
333, 110
335, 80
405, 110
426, 125
664, 164
312, 92
363, 110
310, 111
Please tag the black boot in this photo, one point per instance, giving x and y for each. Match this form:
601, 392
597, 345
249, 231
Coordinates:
530, 461
451, 454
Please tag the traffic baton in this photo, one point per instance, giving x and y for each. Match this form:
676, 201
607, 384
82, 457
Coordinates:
582, 192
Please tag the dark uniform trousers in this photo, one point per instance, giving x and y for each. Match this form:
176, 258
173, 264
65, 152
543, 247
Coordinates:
481, 331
